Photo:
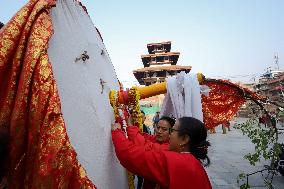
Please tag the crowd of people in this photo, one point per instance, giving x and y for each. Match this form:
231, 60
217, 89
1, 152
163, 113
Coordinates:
171, 158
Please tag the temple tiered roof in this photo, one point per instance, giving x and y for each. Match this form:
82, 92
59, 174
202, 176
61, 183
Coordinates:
159, 64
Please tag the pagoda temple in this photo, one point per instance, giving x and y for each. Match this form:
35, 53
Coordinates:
159, 64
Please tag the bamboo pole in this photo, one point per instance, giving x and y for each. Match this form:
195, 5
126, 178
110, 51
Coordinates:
152, 90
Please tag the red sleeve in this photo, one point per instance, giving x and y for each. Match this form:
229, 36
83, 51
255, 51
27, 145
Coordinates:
149, 137
133, 132
145, 140
151, 165
135, 136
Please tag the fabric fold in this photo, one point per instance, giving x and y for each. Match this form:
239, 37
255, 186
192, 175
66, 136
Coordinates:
41, 155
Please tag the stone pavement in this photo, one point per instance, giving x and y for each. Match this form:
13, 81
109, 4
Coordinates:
226, 154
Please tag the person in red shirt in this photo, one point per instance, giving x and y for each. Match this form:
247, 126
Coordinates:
178, 168
158, 142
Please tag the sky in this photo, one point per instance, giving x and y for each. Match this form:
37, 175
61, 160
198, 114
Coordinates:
229, 39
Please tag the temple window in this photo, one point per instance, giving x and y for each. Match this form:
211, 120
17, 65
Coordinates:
167, 74
160, 59
159, 48
146, 75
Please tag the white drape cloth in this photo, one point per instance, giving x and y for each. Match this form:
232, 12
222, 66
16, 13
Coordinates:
183, 97
85, 102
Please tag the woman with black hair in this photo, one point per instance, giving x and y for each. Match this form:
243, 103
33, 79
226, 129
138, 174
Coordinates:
180, 167
160, 141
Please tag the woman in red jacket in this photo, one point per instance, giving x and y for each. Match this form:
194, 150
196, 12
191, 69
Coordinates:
158, 142
175, 169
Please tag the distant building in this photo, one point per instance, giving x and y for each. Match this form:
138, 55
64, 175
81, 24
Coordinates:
271, 85
248, 107
159, 64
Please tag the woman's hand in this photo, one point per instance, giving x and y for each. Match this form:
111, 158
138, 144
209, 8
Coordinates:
129, 121
115, 126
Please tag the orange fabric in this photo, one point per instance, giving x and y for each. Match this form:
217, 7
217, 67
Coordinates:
41, 155
223, 102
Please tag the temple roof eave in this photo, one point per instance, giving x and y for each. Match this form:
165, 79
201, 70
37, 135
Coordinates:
163, 68
160, 54
161, 43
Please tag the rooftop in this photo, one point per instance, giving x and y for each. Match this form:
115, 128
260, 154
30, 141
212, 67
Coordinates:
159, 47
161, 54
163, 68
161, 43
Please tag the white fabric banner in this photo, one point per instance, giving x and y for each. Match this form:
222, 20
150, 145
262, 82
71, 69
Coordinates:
183, 97
85, 101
